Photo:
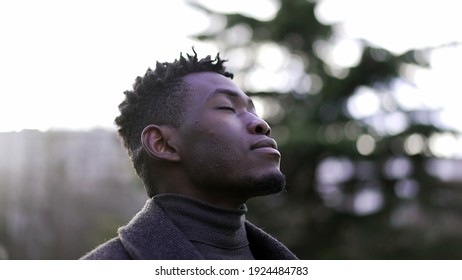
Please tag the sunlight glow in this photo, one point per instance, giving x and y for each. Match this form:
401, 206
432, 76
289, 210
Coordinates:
398, 167
66, 64
334, 171
390, 23
368, 201
365, 144
414, 144
444, 145
365, 102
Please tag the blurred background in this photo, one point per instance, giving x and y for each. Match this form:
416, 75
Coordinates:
361, 96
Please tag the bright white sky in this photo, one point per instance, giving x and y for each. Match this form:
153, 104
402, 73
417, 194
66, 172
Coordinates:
65, 64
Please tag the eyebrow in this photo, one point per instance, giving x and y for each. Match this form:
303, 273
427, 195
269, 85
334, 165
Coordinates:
232, 94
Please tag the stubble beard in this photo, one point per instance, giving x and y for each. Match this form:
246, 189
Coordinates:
246, 187
267, 184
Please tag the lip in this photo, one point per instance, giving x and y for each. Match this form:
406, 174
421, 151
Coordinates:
266, 145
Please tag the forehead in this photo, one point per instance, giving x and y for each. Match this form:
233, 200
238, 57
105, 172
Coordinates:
205, 88
202, 84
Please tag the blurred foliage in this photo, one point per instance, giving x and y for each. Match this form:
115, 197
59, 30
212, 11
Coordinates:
359, 186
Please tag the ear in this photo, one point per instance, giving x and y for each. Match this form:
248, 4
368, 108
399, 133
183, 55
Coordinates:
158, 142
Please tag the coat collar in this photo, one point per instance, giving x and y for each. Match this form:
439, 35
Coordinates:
152, 235
266, 247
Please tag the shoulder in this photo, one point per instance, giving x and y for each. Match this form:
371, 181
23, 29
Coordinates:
110, 250
150, 235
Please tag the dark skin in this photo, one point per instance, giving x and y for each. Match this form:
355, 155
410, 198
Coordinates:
222, 154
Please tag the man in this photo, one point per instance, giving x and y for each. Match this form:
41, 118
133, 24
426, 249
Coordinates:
201, 151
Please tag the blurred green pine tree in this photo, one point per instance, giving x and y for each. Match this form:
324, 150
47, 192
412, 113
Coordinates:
360, 186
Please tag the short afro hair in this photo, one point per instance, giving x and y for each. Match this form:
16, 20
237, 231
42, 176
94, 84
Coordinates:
158, 98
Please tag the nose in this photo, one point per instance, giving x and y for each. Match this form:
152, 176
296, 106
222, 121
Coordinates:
260, 127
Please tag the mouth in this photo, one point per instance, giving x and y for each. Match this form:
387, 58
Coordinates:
268, 145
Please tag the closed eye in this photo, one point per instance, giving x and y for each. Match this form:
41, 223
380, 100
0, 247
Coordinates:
227, 108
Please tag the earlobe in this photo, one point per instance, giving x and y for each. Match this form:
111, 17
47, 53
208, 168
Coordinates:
157, 141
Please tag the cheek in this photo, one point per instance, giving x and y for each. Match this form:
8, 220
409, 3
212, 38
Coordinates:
225, 134
215, 150
219, 147
215, 142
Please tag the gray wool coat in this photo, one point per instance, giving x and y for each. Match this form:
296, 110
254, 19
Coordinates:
151, 235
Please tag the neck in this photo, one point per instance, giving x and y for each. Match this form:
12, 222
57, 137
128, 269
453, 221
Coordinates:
181, 185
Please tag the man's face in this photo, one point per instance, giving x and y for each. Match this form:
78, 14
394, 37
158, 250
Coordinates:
226, 147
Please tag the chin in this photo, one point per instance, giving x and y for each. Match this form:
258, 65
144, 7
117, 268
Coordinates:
266, 184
